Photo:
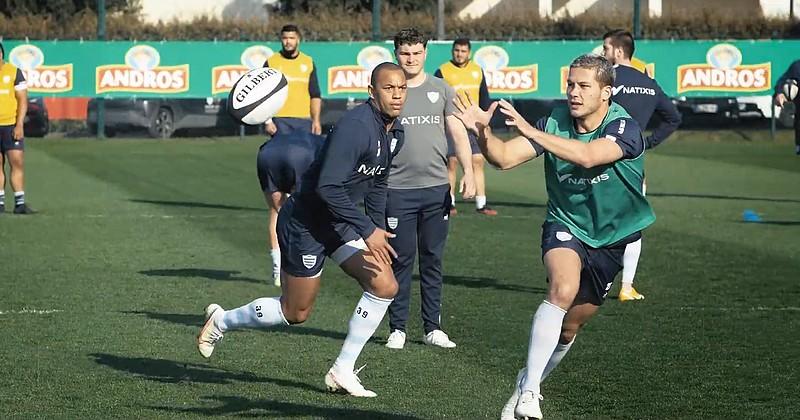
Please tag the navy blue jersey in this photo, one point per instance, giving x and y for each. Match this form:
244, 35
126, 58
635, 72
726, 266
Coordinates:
793, 72
641, 96
284, 159
352, 166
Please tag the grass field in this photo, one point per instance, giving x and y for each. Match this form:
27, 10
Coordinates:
102, 294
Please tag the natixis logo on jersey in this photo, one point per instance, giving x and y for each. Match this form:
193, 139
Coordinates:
224, 77
355, 78
142, 73
40, 78
723, 71
502, 78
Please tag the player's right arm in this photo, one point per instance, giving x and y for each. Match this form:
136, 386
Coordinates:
341, 155
670, 119
499, 153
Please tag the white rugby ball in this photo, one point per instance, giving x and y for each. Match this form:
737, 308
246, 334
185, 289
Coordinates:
258, 95
790, 89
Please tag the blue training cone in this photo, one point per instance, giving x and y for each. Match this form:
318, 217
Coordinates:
751, 216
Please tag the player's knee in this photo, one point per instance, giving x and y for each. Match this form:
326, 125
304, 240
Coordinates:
385, 287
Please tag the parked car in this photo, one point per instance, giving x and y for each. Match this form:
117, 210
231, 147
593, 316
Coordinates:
704, 111
161, 117
37, 123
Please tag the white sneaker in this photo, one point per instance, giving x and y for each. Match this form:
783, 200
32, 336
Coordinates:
347, 383
508, 409
528, 406
210, 335
396, 340
439, 338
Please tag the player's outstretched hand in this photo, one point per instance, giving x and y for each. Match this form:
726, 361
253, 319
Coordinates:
467, 187
780, 99
471, 115
378, 245
514, 119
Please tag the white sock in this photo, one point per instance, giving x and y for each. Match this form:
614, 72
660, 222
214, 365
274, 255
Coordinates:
558, 354
480, 201
452, 199
275, 253
630, 261
545, 331
2, 198
365, 320
19, 198
260, 313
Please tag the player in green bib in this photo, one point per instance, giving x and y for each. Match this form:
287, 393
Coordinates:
594, 160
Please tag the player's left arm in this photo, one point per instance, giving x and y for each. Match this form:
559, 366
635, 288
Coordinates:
609, 148
316, 100
375, 200
458, 133
21, 93
670, 119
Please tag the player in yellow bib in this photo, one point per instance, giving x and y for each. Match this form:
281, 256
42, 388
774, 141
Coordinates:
466, 77
303, 111
13, 107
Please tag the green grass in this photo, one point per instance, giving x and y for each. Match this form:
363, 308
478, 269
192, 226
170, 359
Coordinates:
135, 237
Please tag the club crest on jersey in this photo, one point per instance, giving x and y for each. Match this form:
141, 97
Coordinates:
392, 222
309, 261
433, 97
6, 79
561, 236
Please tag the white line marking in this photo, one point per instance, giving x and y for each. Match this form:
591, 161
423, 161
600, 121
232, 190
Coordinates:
30, 311
739, 309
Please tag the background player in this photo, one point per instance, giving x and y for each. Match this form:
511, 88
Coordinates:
419, 192
793, 72
466, 77
594, 165
322, 220
280, 164
641, 96
13, 107
303, 111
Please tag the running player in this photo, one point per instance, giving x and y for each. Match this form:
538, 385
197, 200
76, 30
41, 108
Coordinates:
321, 220
641, 96
793, 72
280, 165
594, 159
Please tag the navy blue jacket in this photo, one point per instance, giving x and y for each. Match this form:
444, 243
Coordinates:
641, 96
352, 166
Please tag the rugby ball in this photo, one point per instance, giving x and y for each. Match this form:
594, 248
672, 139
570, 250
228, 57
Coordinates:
790, 89
258, 95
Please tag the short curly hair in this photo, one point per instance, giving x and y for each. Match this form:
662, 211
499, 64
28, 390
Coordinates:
410, 36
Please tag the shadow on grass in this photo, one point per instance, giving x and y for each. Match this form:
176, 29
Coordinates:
224, 275
228, 405
723, 197
196, 320
472, 282
170, 371
516, 204
195, 204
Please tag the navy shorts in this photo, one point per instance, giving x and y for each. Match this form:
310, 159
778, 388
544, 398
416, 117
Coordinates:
288, 124
7, 140
473, 145
599, 265
304, 244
